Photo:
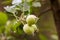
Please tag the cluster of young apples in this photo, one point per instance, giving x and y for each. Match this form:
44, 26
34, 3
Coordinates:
30, 27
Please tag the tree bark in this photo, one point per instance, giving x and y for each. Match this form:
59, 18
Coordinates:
56, 13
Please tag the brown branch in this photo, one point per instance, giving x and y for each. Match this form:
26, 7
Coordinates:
56, 13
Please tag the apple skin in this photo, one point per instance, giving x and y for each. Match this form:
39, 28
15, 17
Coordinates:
31, 19
35, 27
28, 29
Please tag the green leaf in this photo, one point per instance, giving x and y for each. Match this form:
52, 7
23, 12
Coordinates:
3, 18
17, 27
20, 29
8, 28
15, 24
2, 28
26, 13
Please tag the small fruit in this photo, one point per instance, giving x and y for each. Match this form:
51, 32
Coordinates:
35, 27
31, 19
28, 30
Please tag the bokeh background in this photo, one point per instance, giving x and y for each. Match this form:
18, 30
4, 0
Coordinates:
46, 23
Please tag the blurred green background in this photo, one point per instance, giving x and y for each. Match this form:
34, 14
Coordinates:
10, 30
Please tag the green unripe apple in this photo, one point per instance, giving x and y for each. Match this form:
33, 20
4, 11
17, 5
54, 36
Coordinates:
31, 19
28, 30
35, 27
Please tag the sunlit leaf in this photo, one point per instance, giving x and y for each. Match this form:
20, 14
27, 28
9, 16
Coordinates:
3, 18
15, 24
10, 9
16, 2
20, 29
8, 27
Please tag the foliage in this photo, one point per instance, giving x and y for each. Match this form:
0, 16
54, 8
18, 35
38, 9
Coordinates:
3, 16
22, 24
23, 6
